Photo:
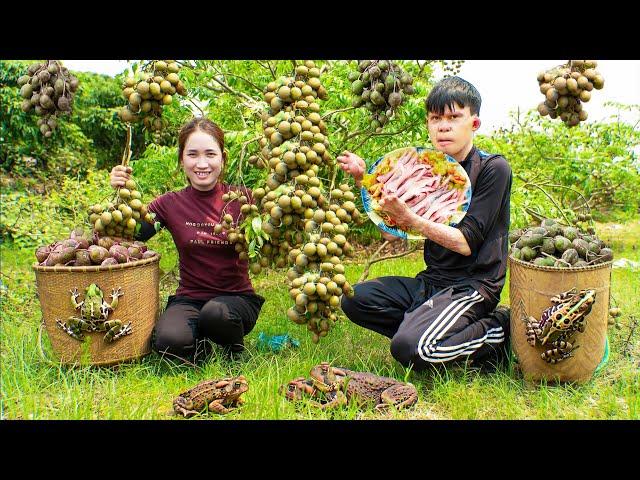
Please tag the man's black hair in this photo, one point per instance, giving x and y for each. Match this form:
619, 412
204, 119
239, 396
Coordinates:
452, 90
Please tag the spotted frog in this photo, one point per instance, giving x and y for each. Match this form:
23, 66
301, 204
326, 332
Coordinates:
220, 396
335, 386
559, 324
94, 314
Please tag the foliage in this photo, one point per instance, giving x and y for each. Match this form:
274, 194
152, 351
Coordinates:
31, 220
598, 160
91, 137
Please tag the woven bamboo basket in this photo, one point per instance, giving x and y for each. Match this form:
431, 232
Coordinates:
139, 304
530, 289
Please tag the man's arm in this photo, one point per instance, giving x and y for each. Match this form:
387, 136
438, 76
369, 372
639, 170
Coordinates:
405, 218
493, 183
448, 237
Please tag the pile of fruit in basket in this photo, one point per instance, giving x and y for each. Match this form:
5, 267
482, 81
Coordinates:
84, 248
555, 245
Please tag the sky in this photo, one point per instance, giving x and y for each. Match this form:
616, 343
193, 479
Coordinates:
505, 86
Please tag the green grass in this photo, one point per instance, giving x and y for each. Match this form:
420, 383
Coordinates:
34, 388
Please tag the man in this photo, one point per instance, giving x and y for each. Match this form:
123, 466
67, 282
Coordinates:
448, 311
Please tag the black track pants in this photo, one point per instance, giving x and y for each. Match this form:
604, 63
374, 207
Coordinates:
427, 324
224, 320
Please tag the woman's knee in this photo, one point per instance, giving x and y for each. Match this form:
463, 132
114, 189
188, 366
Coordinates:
213, 312
181, 344
217, 323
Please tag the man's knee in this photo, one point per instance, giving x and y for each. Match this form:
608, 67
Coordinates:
353, 307
404, 348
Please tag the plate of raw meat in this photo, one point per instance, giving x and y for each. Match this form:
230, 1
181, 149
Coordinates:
432, 184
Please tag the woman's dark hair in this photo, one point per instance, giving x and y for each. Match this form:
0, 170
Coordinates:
207, 126
452, 90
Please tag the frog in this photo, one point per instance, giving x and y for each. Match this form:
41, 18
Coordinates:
219, 396
335, 386
94, 314
560, 323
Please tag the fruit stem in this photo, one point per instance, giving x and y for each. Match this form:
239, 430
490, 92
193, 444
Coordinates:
126, 156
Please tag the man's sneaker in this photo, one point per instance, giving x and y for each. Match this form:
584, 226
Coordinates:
503, 314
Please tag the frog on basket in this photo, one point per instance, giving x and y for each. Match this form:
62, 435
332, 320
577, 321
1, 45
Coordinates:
94, 314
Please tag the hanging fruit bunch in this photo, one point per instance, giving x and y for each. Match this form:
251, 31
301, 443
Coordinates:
120, 215
380, 86
299, 219
566, 87
149, 91
48, 88
555, 245
451, 67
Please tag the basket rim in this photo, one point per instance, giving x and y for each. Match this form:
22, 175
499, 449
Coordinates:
96, 268
532, 266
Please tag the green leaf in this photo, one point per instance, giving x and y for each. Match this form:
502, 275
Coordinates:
256, 224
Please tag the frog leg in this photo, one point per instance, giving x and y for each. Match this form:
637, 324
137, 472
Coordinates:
297, 388
560, 351
399, 396
217, 407
74, 327
74, 298
115, 293
180, 405
115, 330
338, 398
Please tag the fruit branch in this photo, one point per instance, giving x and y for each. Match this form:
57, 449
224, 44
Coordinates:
231, 90
238, 76
539, 187
328, 114
243, 150
373, 259
196, 105
268, 67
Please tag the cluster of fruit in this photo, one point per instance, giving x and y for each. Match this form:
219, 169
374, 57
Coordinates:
555, 245
380, 86
83, 248
47, 88
566, 87
149, 91
297, 221
122, 214
451, 67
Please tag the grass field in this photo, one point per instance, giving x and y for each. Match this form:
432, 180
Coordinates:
33, 387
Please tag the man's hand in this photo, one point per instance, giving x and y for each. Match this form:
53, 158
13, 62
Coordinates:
389, 237
353, 165
119, 176
398, 210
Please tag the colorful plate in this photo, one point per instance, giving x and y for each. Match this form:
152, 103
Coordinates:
383, 165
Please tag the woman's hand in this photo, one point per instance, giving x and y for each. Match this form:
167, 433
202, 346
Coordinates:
119, 176
352, 164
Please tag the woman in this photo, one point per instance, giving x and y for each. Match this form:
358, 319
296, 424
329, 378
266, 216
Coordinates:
215, 299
